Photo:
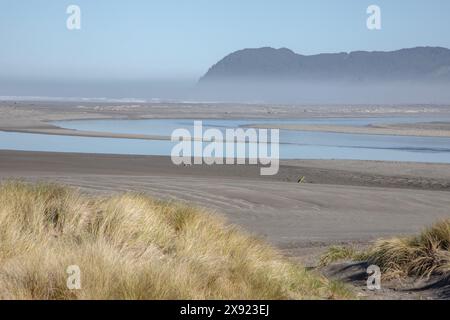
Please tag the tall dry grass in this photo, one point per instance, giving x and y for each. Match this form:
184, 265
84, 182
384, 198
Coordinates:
419, 256
133, 247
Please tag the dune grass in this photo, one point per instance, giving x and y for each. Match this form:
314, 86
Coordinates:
337, 253
131, 246
418, 256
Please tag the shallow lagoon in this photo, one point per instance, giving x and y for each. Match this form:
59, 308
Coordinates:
293, 144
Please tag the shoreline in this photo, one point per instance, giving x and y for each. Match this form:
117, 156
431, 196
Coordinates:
390, 130
407, 169
58, 131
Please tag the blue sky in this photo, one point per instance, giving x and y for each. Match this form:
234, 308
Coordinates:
167, 39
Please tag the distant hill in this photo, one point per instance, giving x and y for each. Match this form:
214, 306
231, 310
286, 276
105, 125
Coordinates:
421, 64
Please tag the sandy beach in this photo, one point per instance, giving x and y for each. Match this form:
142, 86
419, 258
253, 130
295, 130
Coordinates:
338, 202
335, 208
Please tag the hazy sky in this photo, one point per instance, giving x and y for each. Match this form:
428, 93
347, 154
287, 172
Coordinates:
154, 39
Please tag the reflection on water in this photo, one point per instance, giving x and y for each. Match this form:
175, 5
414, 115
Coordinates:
294, 144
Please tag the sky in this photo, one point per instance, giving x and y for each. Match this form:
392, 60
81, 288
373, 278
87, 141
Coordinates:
168, 39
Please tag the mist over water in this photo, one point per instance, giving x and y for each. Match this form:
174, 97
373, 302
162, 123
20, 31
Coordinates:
248, 91
328, 92
140, 89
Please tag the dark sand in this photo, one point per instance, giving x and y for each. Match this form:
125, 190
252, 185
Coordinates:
344, 205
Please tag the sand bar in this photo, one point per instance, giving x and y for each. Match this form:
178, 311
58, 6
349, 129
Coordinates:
440, 130
36, 117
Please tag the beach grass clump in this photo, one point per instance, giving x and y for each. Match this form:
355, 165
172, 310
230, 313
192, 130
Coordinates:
418, 256
131, 246
338, 253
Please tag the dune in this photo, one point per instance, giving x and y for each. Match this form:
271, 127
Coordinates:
130, 246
